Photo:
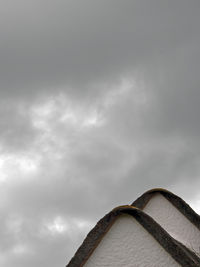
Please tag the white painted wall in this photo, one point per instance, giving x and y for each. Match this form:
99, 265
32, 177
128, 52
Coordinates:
128, 244
172, 220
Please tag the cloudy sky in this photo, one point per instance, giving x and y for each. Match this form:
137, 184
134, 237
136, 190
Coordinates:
99, 101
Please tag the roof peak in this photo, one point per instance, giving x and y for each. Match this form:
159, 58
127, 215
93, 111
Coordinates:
175, 200
179, 252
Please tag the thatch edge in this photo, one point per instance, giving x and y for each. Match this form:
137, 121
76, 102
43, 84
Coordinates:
179, 252
175, 200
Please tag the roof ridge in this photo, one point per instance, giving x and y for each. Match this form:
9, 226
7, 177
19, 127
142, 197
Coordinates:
175, 200
178, 251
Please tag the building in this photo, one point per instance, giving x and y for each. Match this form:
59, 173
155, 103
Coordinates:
173, 214
156, 230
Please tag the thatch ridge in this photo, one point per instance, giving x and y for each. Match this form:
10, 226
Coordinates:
175, 200
179, 252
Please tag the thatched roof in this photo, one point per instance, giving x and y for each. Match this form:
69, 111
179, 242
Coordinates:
178, 251
176, 201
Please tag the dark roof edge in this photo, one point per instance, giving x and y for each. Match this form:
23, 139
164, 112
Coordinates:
179, 252
176, 201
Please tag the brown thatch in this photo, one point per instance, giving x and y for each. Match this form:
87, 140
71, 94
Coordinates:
179, 252
176, 201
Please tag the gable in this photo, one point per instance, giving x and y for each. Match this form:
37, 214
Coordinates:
94, 249
173, 221
128, 244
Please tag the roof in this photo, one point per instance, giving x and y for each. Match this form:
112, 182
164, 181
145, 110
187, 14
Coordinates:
176, 201
178, 251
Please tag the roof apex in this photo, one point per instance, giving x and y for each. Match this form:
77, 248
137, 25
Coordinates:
179, 252
175, 200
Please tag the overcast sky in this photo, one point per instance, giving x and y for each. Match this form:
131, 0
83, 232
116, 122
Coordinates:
99, 102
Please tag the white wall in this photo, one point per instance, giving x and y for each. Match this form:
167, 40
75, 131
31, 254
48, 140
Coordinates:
128, 244
176, 224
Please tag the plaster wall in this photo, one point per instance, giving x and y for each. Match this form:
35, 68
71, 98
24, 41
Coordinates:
172, 220
128, 244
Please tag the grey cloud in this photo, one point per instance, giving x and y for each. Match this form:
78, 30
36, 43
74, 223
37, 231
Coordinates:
16, 130
66, 45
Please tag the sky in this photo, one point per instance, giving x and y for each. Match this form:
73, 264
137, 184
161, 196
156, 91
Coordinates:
99, 102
